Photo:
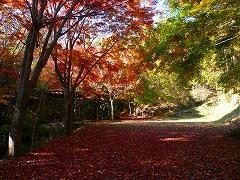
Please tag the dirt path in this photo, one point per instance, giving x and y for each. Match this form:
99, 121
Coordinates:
132, 151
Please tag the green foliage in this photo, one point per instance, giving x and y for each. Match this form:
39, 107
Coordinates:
229, 56
222, 26
149, 93
199, 44
162, 86
210, 74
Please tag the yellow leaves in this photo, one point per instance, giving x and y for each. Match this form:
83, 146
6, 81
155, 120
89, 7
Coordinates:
158, 62
203, 5
236, 48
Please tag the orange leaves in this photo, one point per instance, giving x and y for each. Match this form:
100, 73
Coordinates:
112, 66
20, 35
13, 2
81, 30
49, 78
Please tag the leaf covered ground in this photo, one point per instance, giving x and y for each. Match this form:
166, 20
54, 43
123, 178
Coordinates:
132, 151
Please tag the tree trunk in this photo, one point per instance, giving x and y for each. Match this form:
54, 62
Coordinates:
68, 100
15, 132
35, 118
112, 108
79, 109
23, 94
130, 107
44, 107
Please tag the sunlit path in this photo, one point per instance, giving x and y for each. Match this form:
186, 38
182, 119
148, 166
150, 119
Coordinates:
215, 113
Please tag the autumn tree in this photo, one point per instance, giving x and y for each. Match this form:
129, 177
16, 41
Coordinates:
84, 54
121, 71
74, 63
41, 19
118, 82
111, 72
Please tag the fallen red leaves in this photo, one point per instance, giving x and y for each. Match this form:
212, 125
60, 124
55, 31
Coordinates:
132, 151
